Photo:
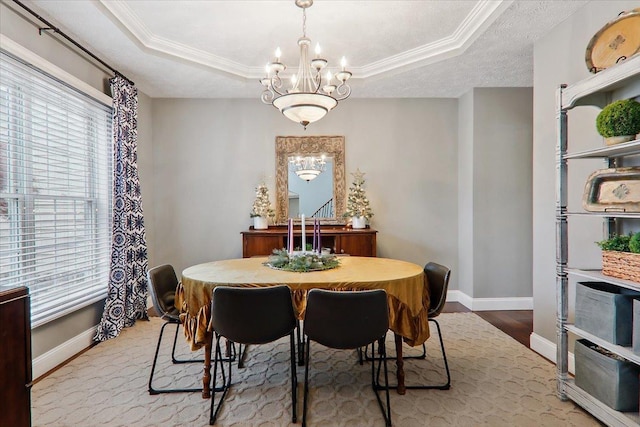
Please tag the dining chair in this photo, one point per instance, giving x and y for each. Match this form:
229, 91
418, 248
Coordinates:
348, 320
162, 285
438, 279
249, 316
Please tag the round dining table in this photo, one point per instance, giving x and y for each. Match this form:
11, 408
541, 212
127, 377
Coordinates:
404, 282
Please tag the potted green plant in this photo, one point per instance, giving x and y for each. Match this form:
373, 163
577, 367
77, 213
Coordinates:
621, 256
261, 211
619, 121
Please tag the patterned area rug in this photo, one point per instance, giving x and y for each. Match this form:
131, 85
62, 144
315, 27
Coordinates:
495, 382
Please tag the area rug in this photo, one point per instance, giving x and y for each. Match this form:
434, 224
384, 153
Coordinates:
496, 381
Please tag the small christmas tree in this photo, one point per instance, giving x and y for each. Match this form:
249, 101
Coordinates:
357, 202
262, 205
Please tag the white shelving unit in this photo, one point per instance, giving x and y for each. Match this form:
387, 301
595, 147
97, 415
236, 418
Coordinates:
618, 82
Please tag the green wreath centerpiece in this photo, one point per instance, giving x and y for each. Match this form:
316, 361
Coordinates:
301, 262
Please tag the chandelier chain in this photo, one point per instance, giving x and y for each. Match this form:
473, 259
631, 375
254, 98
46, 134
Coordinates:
304, 22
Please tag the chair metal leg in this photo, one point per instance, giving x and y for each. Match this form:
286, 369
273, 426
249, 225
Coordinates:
375, 380
306, 383
226, 382
445, 386
154, 391
219, 360
242, 354
173, 351
404, 357
294, 380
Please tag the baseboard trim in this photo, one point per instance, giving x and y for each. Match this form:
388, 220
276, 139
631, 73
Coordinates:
547, 349
488, 304
58, 355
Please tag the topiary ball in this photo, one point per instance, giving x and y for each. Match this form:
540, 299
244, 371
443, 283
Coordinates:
619, 118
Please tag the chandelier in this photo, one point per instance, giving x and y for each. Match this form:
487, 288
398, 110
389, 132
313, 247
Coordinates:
310, 96
307, 168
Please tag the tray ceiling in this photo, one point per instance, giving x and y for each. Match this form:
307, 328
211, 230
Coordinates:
218, 49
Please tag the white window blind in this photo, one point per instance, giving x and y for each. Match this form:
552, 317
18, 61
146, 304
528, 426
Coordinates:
55, 191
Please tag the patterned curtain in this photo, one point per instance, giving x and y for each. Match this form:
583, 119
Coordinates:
127, 294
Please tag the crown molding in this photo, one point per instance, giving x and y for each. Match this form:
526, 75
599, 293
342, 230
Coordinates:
474, 24
143, 36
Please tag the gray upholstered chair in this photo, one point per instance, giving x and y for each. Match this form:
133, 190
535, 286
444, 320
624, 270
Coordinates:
348, 320
250, 316
438, 279
162, 285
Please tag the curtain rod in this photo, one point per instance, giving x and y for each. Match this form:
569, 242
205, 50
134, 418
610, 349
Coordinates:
56, 30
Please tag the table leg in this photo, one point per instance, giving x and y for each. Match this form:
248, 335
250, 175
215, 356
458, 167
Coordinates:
400, 365
206, 375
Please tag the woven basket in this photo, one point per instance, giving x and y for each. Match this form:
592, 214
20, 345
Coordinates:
623, 265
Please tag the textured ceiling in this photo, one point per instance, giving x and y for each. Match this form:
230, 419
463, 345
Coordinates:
218, 49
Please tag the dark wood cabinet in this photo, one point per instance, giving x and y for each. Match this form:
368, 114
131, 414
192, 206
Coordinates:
340, 239
15, 362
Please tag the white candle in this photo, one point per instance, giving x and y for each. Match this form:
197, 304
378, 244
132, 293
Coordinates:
290, 236
304, 237
319, 239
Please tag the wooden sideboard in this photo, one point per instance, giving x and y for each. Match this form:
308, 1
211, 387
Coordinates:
340, 239
15, 362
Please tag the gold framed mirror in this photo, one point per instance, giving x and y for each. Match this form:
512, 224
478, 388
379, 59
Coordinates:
291, 147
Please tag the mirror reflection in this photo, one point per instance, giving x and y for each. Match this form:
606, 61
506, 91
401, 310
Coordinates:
311, 189
302, 187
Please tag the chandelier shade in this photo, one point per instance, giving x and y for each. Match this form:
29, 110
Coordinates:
305, 108
311, 95
307, 174
309, 167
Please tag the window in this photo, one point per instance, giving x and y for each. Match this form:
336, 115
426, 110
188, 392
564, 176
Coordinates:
55, 191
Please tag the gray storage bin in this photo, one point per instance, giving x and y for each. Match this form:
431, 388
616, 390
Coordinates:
605, 311
636, 326
612, 381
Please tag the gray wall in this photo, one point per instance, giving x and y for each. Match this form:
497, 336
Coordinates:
494, 192
559, 58
146, 168
465, 193
502, 144
210, 154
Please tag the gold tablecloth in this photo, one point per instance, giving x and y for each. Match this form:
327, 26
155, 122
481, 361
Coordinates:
404, 282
